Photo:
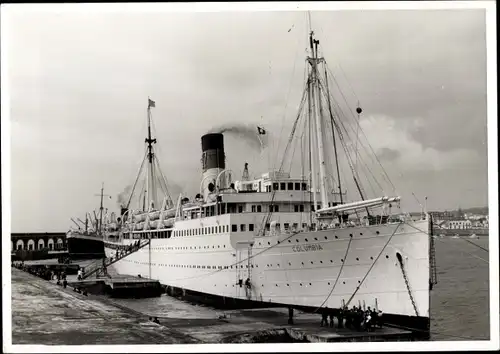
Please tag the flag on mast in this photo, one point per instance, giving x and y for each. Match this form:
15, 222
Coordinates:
151, 103
261, 130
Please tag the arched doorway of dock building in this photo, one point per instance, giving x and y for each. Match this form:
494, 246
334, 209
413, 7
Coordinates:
59, 243
41, 243
31, 245
20, 245
50, 244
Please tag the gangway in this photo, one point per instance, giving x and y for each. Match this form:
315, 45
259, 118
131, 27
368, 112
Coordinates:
100, 267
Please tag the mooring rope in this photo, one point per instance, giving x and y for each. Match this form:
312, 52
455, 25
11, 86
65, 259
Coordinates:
374, 262
437, 238
338, 276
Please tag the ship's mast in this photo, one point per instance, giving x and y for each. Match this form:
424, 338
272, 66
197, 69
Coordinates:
151, 190
315, 93
311, 144
101, 208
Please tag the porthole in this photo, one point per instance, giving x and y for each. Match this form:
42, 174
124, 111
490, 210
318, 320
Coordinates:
300, 284
328, 283
312, 262
371, 258
306, 240
326, 238
357, 258
331, 260
336, 236
342, 260
377, 232
343, 282
315, 239
276, 284
360, 234
289, 263
302, 263
310, 284
287, 284
386, 256
350, 235
269, 243
297, 240
359, 281
289, 241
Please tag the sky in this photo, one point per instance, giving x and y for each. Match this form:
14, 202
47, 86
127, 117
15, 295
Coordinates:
79, 81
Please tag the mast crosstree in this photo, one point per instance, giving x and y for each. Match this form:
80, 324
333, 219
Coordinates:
148, 198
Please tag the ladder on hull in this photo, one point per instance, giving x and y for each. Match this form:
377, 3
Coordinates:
100, 267
432, 256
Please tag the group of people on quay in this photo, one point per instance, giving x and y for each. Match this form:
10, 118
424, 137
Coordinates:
354, 318
43, 272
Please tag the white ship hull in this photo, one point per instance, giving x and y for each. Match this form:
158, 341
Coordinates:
300, 270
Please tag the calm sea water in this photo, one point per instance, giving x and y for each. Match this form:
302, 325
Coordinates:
459, 302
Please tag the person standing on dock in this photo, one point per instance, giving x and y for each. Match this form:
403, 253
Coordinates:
324, 319
340, 317
79, 277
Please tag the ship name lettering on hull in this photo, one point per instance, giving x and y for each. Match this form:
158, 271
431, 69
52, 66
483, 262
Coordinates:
307, 248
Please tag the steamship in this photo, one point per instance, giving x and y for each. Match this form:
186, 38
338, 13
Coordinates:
86, 242
280, 240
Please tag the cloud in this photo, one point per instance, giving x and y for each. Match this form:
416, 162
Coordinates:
79, 82
395, 140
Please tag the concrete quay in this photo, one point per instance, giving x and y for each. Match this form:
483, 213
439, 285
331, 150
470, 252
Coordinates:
45, 313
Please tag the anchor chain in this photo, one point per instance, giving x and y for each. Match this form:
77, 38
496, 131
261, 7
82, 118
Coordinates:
407, 284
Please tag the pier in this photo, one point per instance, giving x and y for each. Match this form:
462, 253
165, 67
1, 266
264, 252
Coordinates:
120, 286
45, 313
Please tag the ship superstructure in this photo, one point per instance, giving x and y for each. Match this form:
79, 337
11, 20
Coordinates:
281, 240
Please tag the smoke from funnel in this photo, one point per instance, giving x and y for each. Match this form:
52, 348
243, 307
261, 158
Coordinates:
122, 198
249, 133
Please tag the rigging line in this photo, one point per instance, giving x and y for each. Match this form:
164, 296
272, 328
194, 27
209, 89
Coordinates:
437, 238
142, 194
374, 262
369, 172
349, 160
360, 157
475, 244
362, 131
137, 178
345, 146
338, 275
298, 141
241, 261
338, 62
287, 100
333, 132
163, 178
470, 254
266, 218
